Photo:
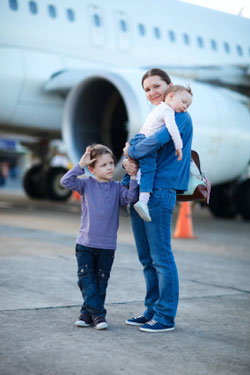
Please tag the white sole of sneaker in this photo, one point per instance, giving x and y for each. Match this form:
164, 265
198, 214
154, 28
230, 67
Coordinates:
80, 323
102, 325
156, 330
141, 214
133, 324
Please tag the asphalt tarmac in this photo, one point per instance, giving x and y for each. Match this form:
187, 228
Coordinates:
40, 300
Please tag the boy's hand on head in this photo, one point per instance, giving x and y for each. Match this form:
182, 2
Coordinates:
178, 153
125, 150
86, 158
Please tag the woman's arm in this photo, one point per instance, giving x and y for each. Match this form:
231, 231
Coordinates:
149, 144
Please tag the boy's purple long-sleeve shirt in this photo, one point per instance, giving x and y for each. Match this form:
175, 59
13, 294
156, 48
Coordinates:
100, 207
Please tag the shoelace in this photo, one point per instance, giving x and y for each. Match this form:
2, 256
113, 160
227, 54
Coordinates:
152, 322
138, 317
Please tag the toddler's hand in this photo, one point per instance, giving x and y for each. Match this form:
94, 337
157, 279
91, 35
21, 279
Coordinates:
125, 150
178, 153
86, 158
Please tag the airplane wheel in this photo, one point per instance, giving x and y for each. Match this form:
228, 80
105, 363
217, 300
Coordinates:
32, 182
221, 202
54, 190
243, 199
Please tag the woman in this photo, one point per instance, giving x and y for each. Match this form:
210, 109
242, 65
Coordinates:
153, 239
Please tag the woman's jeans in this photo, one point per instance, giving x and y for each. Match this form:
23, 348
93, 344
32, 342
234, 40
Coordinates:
94, 266
153, 242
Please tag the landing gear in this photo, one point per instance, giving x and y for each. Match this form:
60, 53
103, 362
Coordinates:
221, 201
39, 183
242, 199
54, 190
32, 182
229, 200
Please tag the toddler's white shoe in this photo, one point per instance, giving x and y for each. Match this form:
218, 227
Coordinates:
142, 209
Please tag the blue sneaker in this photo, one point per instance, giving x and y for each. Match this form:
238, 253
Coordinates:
154, 326
137, 321
142, 209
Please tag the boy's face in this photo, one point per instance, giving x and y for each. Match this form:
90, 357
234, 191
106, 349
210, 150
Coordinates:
104, 168
179, 101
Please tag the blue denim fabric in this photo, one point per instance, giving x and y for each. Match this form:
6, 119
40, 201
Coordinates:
153, 242
94, 266
170, 172
147, 166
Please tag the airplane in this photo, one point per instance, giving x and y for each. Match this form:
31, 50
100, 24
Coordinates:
73, 69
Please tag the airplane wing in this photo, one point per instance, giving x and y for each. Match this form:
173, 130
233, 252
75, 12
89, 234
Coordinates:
64, 80
233, 77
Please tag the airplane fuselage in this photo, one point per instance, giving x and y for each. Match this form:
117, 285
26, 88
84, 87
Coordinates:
41, 44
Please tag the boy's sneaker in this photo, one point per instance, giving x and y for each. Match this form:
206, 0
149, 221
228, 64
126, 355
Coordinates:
154, 326
137, 321
85, 320
142, 209
100, 322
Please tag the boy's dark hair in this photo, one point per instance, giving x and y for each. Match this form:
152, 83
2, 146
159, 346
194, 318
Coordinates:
98, 150
176, 88
156, 72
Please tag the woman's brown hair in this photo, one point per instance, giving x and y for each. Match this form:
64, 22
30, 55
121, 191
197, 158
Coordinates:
156, 72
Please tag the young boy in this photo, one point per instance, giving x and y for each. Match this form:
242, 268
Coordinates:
178, 98
96, 241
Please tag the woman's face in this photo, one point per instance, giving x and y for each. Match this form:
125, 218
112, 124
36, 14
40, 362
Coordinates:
155, 89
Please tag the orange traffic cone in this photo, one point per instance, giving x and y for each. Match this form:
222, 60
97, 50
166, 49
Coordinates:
184, 226
76, 196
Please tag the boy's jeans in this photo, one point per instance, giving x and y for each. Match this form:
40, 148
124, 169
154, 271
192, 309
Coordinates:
94, 266
153, 242
147, 166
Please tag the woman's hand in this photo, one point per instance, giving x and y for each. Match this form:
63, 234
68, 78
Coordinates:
125, 150
86, 158
131, 166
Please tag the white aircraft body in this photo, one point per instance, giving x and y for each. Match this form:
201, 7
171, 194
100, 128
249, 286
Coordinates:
75, 67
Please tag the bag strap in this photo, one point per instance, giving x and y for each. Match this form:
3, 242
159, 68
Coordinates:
196, 159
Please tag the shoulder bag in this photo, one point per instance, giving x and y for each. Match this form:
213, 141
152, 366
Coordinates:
199, 186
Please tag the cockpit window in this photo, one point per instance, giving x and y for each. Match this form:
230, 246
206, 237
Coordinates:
213, 44
141, 29
70, 15
157, 32
239, 50
13, 4
97, 20
186, 38
33, 7
226, 47
123, 26
172, 36
200, 41
52, 11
